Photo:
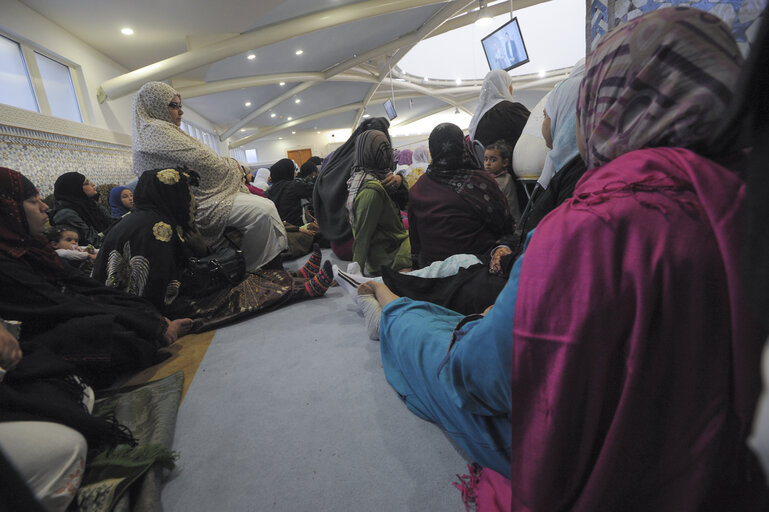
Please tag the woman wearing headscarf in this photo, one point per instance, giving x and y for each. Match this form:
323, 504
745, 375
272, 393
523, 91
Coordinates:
76, 205
121, 201
374, 202
222, 199
287, 193
456, 207
330, 194
104, 333
497, 116
635, 361
420, 159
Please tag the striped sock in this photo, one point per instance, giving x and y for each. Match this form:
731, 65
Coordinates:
313, 264
318, 285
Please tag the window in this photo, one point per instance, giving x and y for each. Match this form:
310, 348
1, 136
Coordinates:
207, 137
17, 86
34, 81
59, 88
251, 157
238, 154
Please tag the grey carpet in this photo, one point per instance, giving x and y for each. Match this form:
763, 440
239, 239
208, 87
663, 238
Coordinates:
290, 411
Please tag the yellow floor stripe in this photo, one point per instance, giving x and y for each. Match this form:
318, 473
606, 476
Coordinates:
186, 355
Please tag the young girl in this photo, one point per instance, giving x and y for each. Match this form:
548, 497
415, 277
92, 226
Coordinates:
121, 201
65, 240
497, 162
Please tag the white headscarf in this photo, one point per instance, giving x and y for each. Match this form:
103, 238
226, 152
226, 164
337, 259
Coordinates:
158, 143
260, 179
496, 88
561, 108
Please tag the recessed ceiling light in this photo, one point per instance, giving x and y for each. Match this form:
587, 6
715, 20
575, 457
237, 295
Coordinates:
282, 84
289, 118
248, 103
280, 138
318, 133
242, 129
251, 56
366, 115
297, 100
542, 73
127, 31
459, 81
293, 133
273, 114
299, 52
426, 79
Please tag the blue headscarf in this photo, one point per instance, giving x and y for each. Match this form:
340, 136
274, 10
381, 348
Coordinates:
118, 210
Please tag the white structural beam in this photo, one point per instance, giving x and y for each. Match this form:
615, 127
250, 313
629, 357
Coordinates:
426, 29
167, 68
295, 122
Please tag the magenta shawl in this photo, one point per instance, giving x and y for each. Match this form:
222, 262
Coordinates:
636, 362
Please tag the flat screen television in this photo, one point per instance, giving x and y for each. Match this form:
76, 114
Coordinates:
390, 109
504, 48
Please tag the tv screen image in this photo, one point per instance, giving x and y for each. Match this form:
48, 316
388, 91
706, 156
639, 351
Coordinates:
390, 109
504, 48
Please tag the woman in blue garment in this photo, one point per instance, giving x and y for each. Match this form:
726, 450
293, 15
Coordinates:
472, 407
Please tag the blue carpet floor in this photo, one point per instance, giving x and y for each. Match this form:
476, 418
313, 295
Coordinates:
290, 411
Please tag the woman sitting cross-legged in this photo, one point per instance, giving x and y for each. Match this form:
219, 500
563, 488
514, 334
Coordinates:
456, 207
76, 205
620, 367
148, 252
103, 332
375, 199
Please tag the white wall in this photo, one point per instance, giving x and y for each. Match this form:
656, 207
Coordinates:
22, 23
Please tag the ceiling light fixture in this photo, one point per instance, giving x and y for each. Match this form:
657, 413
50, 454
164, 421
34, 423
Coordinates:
280, 138
483, 17
318, 133
282, 84
127, 31
366, 114
542, 73
459, 81
289, 118
299, 52
297, 100
242, 129
293, 133
273, 114
426, 79
251, 56
248, 103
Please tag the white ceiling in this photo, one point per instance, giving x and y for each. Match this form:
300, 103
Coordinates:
168, 28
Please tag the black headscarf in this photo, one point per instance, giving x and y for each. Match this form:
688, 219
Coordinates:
282, 170
68, 193
330, 192
15, 239
167, 192
455, 165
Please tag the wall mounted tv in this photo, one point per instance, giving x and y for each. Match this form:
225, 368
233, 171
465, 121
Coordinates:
504, 48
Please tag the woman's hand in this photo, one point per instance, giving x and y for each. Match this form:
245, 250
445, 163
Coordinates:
495, 267
392, 181
10, 352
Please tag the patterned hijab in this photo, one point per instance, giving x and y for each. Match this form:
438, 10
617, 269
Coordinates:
15, 239
68, 193
405, 157
496, 88
373, 161
167, 192
624, 104
116, 201
455, 165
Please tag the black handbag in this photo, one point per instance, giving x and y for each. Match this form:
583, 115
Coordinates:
224, 268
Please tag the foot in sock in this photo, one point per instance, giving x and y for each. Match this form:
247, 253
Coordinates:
347, 281
372, 312
312, 266
318, 285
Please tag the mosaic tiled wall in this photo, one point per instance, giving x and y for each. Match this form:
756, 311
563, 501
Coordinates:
43, 156
741, 15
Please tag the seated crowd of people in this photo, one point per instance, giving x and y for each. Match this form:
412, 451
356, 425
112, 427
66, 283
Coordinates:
588, 345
